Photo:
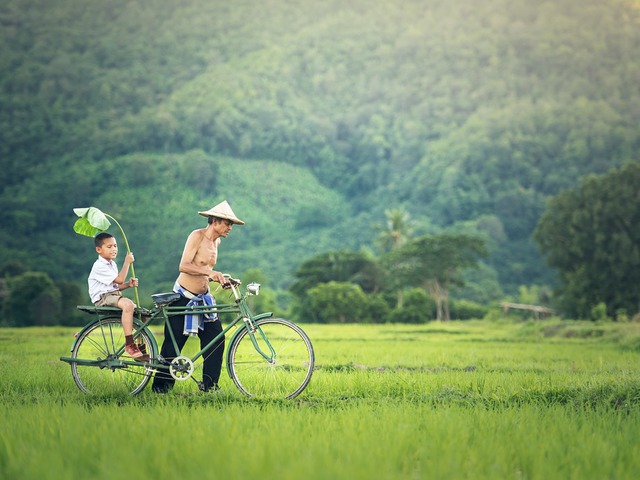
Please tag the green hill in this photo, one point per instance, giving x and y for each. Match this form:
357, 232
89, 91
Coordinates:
310, 118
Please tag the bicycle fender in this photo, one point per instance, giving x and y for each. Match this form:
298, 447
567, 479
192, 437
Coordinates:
137, 324
255, 318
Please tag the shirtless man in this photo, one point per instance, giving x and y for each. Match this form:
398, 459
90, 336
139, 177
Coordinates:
196, 271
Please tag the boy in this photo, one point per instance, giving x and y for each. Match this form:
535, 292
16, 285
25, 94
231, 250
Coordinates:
105, 283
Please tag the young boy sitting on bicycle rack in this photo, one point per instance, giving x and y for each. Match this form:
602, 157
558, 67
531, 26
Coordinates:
105, 284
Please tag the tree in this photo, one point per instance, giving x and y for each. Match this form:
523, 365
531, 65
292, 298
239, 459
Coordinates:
393, 234
340, 266
33, 300
70, 297
591, 235
396, 230
12, 268
435, 262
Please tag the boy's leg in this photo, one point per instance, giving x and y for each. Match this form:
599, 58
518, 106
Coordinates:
128, 307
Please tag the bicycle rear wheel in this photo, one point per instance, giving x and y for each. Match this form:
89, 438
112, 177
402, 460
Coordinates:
284, 376
109, 374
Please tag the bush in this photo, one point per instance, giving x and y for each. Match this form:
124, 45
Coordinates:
33, 300
340, 302
417, 307
599, 312
376, 309
466, 310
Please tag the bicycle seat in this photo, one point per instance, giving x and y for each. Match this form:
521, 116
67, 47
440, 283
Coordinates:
165, 298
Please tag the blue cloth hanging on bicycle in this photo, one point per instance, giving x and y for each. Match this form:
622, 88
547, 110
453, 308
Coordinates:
195, 322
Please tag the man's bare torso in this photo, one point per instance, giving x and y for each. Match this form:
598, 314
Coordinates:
206, 255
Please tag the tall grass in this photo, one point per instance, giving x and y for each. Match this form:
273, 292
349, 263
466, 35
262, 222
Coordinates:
458, 400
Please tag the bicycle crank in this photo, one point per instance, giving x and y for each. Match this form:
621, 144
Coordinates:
181, 368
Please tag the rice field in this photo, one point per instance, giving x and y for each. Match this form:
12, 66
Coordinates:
458, 400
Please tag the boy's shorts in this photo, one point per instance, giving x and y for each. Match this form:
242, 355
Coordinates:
109, 299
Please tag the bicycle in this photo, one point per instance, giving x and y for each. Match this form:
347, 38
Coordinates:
266, 356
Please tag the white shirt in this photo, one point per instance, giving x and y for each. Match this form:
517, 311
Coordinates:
101, 279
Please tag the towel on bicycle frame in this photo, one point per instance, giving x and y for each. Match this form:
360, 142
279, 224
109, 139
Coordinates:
194, 322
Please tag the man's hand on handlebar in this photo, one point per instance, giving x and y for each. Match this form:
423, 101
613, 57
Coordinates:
229, 281
215, 276
224, 279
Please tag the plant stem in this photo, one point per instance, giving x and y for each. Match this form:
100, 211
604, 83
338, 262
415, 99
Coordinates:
133, 272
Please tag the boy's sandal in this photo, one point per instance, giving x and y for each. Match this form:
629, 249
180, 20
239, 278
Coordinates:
134, 352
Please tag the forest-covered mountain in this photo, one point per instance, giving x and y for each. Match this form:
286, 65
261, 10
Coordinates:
311, 119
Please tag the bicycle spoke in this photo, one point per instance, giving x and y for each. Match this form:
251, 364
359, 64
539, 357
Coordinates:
286, 375
100, 342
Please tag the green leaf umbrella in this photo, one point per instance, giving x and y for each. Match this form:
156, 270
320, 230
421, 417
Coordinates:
93, 221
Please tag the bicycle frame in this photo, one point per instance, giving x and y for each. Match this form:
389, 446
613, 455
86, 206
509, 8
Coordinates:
163, 311
269, 357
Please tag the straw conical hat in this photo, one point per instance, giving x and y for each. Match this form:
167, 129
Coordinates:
222, 210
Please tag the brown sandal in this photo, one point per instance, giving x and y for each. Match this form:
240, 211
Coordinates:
134, 352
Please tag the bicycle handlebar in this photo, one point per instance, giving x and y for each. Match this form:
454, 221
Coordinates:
231, 280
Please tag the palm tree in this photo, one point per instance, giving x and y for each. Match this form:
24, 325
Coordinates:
396, 231
393, 234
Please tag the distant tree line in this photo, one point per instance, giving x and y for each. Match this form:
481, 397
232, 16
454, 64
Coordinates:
344, 286
33, 299
591, 234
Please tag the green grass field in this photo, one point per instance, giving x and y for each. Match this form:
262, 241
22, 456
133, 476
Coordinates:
461, 400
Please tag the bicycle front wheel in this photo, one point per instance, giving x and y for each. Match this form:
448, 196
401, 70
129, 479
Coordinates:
283, 375
110, 373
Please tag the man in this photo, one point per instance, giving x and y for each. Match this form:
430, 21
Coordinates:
196, 271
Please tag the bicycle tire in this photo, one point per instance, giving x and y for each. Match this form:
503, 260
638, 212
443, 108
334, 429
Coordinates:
287, 376
100, 342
